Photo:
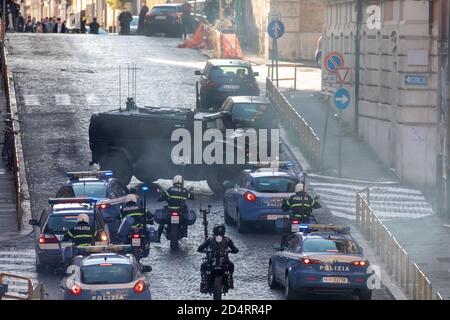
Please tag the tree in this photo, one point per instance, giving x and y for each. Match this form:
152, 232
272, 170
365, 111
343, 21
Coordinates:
117, 4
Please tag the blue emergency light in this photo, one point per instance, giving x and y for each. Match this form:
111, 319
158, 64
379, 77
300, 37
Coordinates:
90, 174
54, 201
145, 189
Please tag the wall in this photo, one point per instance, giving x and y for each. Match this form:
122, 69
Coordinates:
397, 119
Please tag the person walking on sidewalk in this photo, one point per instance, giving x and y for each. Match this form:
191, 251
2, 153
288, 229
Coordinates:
186, 10
142, 15
94, 26
125, 19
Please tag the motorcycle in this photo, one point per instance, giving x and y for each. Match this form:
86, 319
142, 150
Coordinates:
217, 269
175, 223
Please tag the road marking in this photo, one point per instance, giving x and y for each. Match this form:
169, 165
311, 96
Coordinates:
92, 100
62, 100
31, 100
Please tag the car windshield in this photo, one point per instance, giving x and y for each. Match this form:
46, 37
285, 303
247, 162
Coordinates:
230, 72
107, 273
164, 10
250, 111
274, 185
89, 189
57, 223
135, 21
331, 245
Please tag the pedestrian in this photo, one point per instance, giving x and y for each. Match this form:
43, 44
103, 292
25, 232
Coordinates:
46, 25
125, 19
60, 27
51, 24
29, 25
94, 26
39, 28
186, 10
83, 25
210, 11
21, 23
142, 15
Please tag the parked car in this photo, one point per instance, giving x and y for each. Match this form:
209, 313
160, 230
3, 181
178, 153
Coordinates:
221, 79
134, 25
164, 18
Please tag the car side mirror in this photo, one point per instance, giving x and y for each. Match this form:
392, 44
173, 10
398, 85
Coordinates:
256, 74
33, 222
198, 73
277, 247
146, 269
110, 219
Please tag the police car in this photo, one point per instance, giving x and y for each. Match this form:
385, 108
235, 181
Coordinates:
53, 223
106, 276
109, 192
258, 196
325, 259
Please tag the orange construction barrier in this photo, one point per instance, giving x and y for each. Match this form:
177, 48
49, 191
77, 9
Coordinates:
197, 40
231, 49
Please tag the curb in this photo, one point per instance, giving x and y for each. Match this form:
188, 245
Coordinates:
24, 228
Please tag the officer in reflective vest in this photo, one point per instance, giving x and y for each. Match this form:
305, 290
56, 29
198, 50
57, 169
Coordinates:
301, 203
132, 209
82, 234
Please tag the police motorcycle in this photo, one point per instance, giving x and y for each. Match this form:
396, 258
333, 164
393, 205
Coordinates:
139, 237
217, 270
175, 222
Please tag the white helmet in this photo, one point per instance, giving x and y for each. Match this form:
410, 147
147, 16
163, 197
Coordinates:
298, 187
83, 217
131, 198
178, 180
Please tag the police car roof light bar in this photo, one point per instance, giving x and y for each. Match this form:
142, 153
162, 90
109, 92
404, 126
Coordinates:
90, 174
105, 249
272, 164
329, 227
54, 201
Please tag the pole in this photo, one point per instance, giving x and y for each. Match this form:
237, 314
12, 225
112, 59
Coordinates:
4, 19
340, 143
276, 54
357, 62
273, 60
324, 138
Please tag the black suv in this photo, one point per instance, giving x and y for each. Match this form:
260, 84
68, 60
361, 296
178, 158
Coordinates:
222, 79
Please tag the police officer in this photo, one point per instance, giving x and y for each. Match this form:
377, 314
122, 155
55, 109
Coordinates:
132, 209
176, 197
218, 242
82, 234
301, 203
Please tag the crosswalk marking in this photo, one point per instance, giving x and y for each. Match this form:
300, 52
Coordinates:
62, 100
388, 201
21, 263
92, 100
31, 100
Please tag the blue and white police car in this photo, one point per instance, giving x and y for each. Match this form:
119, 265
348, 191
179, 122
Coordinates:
106, 276
53, 223
109, 192
324, 259
258, 196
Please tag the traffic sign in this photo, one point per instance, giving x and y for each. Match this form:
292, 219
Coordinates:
333, 61
342, 99
274, 15
416, 80
276, 29
342, 74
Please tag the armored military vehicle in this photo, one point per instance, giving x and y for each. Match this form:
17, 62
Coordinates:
141, 142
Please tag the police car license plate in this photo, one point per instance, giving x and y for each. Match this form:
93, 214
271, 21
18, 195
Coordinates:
136, 242
160, 17
272, 217
295, 227
175, 219
230, 87
340, 280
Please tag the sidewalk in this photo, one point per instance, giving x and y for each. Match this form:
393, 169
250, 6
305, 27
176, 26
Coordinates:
8, 217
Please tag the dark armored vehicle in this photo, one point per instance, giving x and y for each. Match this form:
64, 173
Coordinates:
143, 142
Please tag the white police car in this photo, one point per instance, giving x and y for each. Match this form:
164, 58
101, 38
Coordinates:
106, 276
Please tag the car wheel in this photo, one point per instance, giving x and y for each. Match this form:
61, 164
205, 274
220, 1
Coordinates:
271, 278
119, 165
228, 220
40, 268
241, 225
365, 295
288, 292
215, 183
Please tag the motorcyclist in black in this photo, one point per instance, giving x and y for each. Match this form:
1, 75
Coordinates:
300, 205
217, 242
176, 197
132, 209
82, 234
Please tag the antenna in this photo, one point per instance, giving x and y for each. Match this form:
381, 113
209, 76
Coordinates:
131, 86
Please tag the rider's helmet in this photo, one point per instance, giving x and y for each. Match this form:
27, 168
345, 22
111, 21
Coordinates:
83, 217
298, 187
219, 230
131, 198
178, 181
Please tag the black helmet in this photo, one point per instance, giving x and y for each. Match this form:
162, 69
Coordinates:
219, 230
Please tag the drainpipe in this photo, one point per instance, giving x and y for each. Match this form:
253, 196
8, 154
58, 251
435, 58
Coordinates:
357, 63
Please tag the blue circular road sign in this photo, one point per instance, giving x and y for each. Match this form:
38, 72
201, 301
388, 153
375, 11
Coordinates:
276, 29
342, 99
